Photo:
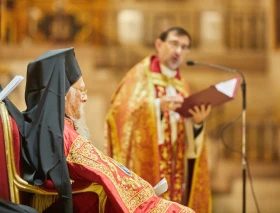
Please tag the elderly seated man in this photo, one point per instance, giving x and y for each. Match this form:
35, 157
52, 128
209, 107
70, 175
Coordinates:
56, 144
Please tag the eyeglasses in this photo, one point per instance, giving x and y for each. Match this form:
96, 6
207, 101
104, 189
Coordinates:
176, 44
82, 91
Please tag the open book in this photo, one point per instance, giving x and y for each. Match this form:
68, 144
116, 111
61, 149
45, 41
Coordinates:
10, 87
214, 95
161, 187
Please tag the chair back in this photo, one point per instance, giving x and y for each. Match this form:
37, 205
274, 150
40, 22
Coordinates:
12, 186
9, 155
4, 182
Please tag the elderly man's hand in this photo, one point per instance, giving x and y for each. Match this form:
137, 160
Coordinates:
200, 113
170, 102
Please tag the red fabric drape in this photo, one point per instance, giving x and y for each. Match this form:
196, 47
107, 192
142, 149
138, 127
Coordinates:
4, 183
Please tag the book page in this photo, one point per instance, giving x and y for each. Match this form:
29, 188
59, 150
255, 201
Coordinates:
161, 187
227, 87
10, 87
215, 95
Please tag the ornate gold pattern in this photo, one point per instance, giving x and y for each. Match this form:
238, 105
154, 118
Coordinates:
124, 144
201, 185
172, 155
161, 207
162, 80
132, 189
178, 163
138, 138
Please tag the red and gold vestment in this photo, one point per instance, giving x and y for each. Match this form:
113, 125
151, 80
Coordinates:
133, 139
123, 190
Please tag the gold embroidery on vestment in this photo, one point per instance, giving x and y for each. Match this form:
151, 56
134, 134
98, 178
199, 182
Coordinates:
132, 189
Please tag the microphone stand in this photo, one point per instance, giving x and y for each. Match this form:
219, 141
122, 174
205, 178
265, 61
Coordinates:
244, 159
243, 150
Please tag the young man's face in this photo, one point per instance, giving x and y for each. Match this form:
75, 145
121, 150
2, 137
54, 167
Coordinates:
173, 50
74, 101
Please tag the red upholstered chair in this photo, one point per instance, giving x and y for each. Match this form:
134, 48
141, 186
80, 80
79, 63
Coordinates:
11, 183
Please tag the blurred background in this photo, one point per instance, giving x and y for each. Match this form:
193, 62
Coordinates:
110, 36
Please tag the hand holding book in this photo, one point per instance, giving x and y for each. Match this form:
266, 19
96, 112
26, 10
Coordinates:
199, 113
172, 102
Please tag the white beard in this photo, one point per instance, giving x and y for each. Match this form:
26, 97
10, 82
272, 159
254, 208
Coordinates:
80, 124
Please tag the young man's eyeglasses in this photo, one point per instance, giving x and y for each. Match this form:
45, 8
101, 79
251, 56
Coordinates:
176, 44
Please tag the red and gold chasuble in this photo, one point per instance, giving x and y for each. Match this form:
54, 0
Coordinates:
125, 191
132, 137
171, 154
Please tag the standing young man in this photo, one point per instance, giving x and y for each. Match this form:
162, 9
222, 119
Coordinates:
146, 134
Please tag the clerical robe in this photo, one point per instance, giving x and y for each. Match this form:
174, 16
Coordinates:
141, 137
124, 191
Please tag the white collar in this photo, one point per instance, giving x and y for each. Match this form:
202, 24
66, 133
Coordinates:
169, 73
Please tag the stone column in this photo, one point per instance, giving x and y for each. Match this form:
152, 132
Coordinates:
3, 21
130, 27
273, 55
211, 31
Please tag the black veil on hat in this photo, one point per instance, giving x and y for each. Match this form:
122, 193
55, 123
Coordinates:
49, 77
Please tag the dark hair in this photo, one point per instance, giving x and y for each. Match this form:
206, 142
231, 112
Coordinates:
179, 31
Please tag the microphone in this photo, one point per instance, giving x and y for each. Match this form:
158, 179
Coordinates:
214, 66
191, 63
